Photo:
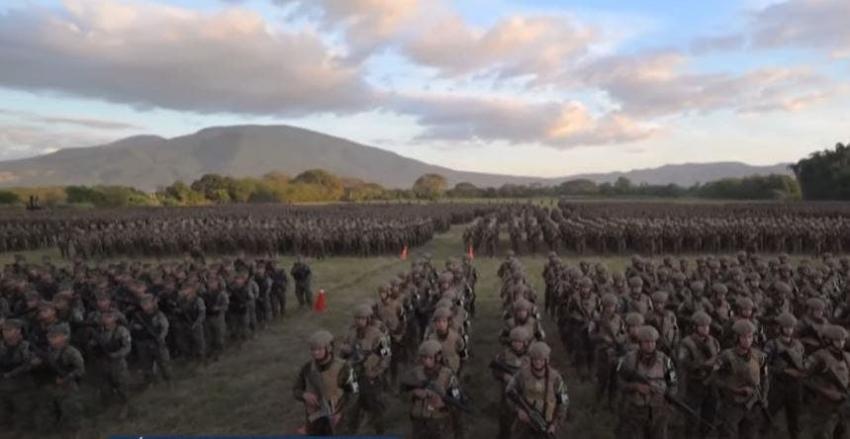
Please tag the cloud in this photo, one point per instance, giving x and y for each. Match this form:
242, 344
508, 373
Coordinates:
538, 46
559, 125
656, 84
150, 55
815, 24
367, 24
704, 45
99, 124
23, 140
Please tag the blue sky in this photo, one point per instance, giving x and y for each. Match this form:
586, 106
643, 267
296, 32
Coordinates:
535, 87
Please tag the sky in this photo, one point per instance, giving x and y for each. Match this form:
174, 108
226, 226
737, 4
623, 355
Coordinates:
526, 87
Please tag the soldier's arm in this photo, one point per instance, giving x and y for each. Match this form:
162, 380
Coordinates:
164, 326
125, 343
300, 385
347, 381
562, 398
202, 313
78, 366
26, 362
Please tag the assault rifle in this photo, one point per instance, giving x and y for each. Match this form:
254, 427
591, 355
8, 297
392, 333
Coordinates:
455, 400
536, 419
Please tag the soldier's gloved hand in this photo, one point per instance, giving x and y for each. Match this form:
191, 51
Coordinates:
310, 399
420, 393
744, 391
643, 389
522, 415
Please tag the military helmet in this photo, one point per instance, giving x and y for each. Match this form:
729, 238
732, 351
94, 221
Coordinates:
520, 333
585, 282
786, 320
634, 319
835, 333
610, 299
539, 351
363, 311
58, 329
442, 313
816, 303
321, 339
745, 303
743, 327
522, 305
430, 348
659, 296
635, 281
719, 288
782, 287
701, 318
647, 333
13, 324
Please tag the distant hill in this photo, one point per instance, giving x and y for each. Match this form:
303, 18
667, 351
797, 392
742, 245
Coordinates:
147, 162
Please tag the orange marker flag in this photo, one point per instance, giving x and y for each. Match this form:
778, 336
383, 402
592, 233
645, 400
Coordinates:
471, 252
321, 302
404, 253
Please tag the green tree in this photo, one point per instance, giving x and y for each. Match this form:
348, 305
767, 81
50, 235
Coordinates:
430, 186
825, 175
464, 190
9, 197
577, 187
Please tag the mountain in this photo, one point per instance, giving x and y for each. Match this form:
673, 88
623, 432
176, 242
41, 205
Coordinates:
147, 162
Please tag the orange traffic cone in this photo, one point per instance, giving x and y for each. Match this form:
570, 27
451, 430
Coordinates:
321, 302
404, 253
470, 252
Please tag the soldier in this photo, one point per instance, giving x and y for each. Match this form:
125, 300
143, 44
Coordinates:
646, 378
504, 366
280, 283
189, 325
326, 385
302, 275
216, 303
696, 358
538, 393
636, 300
582, 308
522, 317
17, 388
809, 328
740, 375
391, 313
430, 383
786, 367
368, 352
149, 329
828, 371
112, 344
607, 334
665, 322
61, 403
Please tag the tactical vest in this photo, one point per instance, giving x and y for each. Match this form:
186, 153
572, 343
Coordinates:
12, 357
744, 371
329, 380
700, 352
654, 373
449, 342
835, 375
785, 356
370, 347
540, 392
422, 408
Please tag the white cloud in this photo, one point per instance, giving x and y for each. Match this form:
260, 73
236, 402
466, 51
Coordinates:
817, 24
162, 56
558, 125
22, 140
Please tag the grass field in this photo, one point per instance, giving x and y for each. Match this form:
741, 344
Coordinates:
248, 391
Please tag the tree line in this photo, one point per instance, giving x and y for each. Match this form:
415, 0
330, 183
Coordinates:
318, 185
825, 175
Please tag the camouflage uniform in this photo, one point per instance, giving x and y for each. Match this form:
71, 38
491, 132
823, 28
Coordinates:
430, 416
542, 390
331, 381
829, 377
17, 388
646, 377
